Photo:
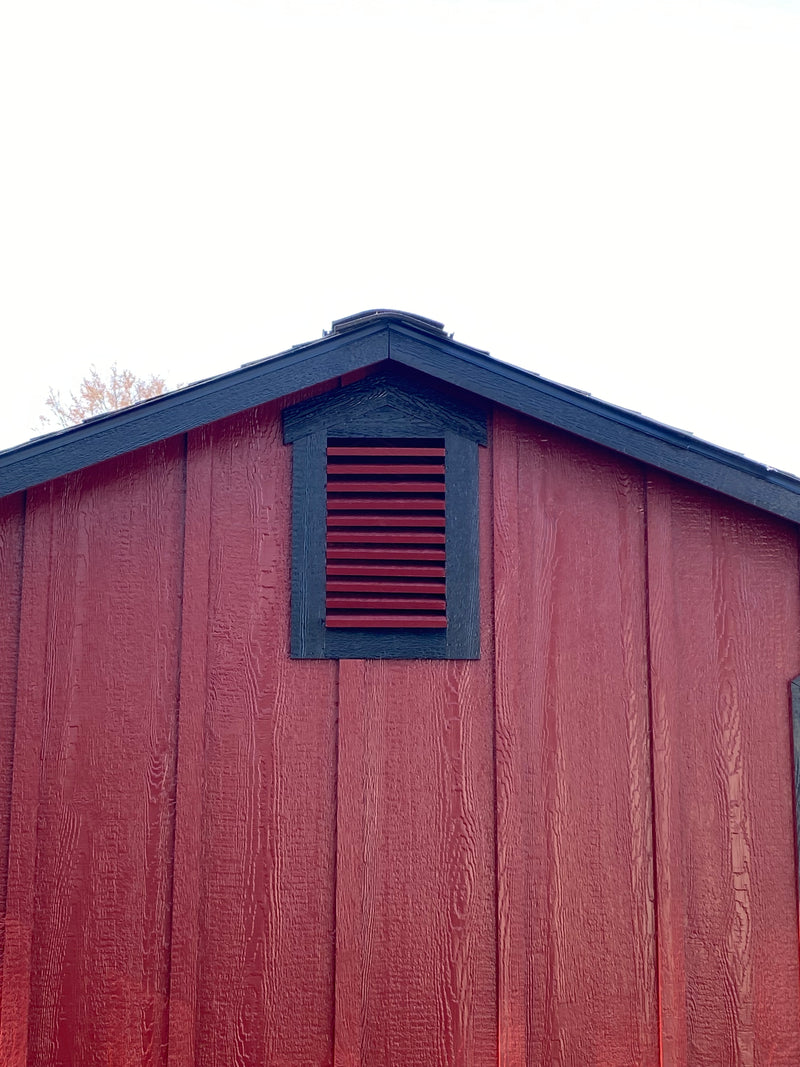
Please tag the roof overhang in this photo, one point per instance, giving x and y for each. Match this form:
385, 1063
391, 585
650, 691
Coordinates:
372, 338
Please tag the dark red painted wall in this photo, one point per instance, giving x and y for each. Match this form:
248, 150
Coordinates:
575, 855
577, 850
12, 523
724, 635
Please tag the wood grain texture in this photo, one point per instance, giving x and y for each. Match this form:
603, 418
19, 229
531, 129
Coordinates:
187, 875
30, 687
415, 945
796, 754
12, 523
94, 766
725, 632
264, 985
214, 855
389, 403
576, 947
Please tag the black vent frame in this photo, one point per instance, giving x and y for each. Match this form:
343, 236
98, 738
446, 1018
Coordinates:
387, 410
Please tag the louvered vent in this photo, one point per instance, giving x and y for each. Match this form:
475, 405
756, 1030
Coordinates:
386, 534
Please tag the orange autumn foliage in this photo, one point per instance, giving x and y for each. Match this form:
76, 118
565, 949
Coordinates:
97, 395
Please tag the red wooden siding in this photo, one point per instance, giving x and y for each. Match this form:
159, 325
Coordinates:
575, 872
576, 850
186, 882
266, 809
726, 640
94, 765
30, 688
12, 521
415, 946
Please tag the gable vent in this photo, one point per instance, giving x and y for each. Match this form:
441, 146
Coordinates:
385, 555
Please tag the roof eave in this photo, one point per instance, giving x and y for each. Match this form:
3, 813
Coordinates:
636, 436
91, 442
388, 338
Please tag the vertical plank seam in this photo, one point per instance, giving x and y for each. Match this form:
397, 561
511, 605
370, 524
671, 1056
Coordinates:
40, 775
15, 691
335, 911
177, 720
651, 733
795, 712
181, 729
204, 733
5, 1047
490, 555
507, 1021
795, 735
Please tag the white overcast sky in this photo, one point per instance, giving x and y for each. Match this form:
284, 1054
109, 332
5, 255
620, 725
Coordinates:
605, 192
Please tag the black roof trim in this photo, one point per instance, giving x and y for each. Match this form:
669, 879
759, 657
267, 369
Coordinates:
173, 413
634, 435
396, 336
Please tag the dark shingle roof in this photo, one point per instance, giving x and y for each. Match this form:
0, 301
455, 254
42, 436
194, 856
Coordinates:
369, 338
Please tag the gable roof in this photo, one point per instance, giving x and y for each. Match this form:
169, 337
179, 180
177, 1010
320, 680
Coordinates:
410, 341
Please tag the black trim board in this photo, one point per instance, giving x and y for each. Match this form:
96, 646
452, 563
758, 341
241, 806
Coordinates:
387, 404
123, 431
391, 395
622, 431
390, 336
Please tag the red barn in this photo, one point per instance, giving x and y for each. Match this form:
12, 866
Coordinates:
383, 705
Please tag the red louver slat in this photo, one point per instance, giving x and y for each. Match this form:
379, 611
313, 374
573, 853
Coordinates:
393, 603
368, 620
370, 552
380, 503
392, 570
386, 535
377, 450
386, 520
387, 585
383, 468
385, 485
393, 536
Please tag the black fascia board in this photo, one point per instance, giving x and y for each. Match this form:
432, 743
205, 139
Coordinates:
388, 337
633, 435
119, 432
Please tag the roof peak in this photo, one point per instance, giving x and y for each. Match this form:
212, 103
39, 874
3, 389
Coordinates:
401, 340
364, 318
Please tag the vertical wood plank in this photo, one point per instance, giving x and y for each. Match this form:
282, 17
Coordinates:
358, 793
33, 679
796, 754
265, 975
665, 663
725, 635
12, 522
104, 860
187, 876
415, 946
577, 975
